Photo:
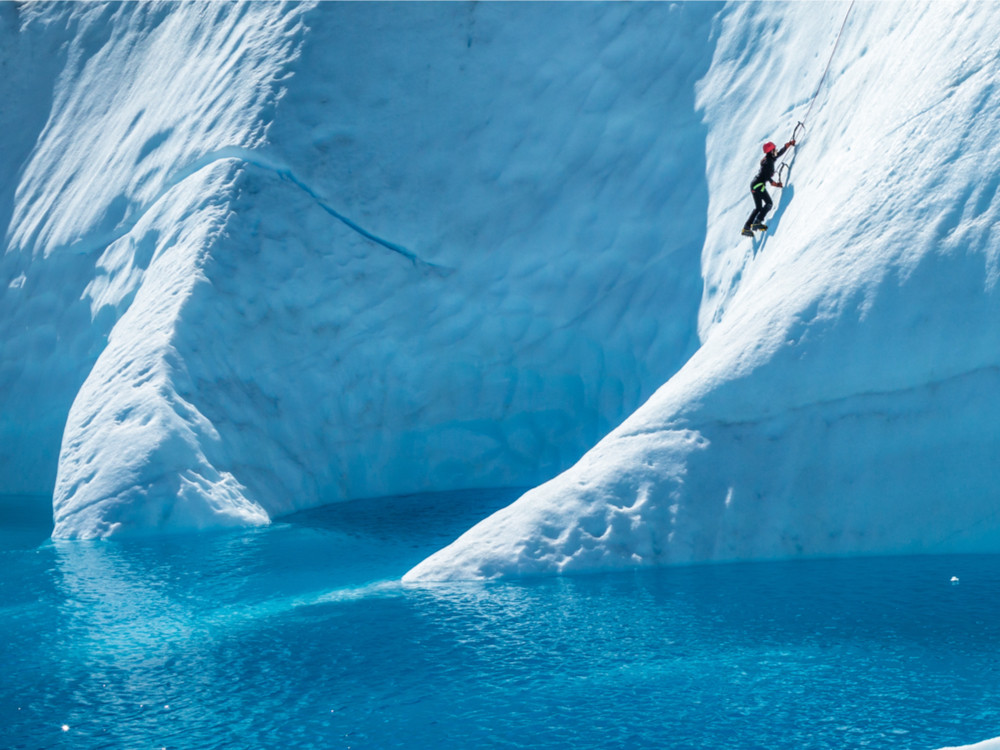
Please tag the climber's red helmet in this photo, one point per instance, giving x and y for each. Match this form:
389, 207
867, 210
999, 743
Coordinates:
769, 147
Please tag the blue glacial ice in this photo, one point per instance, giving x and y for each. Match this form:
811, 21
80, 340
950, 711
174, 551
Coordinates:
263, 257
843, 399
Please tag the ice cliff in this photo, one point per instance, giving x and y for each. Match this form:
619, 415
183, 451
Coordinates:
844, 396
265, 256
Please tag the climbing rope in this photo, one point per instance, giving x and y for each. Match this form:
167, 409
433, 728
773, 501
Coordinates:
829, 62
801, 125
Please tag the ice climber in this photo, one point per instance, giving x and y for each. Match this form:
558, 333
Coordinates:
758, 188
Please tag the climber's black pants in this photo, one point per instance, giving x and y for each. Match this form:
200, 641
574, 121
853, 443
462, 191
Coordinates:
762, 204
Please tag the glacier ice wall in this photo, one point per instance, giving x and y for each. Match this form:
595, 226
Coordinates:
844, 398
265, 256
108, 108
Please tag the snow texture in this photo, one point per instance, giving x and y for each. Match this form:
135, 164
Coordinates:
844, 397
265, 256
987, 745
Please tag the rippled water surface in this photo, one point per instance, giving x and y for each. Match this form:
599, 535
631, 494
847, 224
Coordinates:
299, 636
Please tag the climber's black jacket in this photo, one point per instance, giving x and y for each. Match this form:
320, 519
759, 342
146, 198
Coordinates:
766, 171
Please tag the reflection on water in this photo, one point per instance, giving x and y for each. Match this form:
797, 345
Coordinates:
25, 521
301, 635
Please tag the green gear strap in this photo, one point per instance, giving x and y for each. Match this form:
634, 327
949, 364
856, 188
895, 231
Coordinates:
758, 186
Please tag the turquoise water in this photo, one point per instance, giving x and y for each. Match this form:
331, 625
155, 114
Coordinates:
298, 636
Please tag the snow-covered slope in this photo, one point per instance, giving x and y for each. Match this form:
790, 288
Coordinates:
112, 212
993, 744
844, 398
265, 256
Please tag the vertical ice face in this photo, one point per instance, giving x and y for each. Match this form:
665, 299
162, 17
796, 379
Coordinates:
265, 256
844, 399
469, 254
117, 203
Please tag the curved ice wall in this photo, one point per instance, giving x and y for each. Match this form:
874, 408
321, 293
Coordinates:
845, 396
112, 199
266, 256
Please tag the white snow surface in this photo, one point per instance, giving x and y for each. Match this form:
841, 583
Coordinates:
844, 397
985, 745
264, 256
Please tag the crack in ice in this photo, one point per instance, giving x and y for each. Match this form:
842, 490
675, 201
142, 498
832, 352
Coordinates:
256, 159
